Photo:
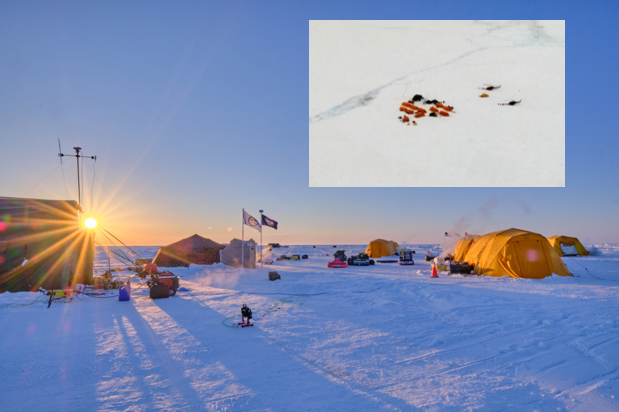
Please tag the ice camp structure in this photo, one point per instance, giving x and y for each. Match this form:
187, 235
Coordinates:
43, 244
194, 249
567, 246
380, 247
231, 255
462, 247
513, 252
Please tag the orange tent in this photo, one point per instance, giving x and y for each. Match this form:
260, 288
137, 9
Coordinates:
515, 253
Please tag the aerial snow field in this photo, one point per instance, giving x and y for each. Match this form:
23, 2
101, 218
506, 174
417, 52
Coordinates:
384, 337
360, 72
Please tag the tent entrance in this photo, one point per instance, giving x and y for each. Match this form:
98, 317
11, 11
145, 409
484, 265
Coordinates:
569, 250
532, 260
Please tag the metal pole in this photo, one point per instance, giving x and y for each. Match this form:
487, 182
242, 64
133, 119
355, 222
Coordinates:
243, 240
77, 157
109, 268
261, 238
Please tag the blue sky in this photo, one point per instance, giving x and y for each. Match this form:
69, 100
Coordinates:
197, 109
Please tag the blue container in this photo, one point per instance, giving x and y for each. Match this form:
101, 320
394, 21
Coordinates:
124, 293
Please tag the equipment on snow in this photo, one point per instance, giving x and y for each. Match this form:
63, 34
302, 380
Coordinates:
460, 268
337, 264
274, 275
361, 259
489, 87
124, 293
512, 103
341, 255
406, 257
159, 291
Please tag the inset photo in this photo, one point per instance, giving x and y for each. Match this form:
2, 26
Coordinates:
437, 103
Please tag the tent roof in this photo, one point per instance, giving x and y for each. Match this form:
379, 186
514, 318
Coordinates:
193, 242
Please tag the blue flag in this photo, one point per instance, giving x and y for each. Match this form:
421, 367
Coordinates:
269, 222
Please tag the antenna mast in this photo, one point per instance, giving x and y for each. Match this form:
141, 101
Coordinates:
77, 155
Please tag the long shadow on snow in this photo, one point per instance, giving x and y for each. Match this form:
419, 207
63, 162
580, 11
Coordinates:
280, 380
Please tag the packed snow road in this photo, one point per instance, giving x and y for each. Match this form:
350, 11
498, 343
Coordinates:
383, 337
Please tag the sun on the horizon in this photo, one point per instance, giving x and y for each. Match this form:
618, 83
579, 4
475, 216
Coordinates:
90, 223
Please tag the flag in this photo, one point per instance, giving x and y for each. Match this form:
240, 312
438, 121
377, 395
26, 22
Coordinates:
447, 234
466, 234
269, 222
251, 222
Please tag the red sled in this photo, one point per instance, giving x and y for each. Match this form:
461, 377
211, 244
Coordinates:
337, 264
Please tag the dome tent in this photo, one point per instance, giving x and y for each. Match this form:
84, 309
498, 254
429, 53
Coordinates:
515, 253
380, 247
231, 255
462, 247
194, 249
567, 246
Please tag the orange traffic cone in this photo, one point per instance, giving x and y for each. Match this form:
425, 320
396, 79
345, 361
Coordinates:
434, 272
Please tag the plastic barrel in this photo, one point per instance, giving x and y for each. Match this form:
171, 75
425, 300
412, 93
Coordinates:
124, 293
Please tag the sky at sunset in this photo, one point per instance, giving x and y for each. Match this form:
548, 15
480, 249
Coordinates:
196, 110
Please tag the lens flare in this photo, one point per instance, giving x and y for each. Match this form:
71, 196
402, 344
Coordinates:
90, 223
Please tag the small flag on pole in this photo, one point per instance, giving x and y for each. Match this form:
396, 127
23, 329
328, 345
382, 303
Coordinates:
447, 234
269, 222
251, 222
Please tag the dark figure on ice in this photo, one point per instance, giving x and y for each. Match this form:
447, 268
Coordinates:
490, 87
245, 313
512, 103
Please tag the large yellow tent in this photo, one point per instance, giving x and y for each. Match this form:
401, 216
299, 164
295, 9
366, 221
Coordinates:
380, 247
515, 253
567, 246
462, 247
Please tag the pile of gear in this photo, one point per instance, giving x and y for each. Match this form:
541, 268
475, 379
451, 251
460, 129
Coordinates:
436, 109
361, 259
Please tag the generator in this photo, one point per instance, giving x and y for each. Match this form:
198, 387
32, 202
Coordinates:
160, 281
460, 268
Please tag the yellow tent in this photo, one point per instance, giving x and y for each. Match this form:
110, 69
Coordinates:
462, 247
567, 246
515, 253
380, 247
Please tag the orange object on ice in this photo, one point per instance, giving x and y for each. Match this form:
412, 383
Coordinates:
443, 113
434, 272
484, 95
434, 109
418, 115
405, 119
449, 109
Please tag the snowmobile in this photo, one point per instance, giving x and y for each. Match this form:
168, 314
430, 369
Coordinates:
360, 260
406, 257
341, 255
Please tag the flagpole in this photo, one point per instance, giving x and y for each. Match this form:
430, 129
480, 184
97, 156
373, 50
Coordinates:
243, 241
261, 238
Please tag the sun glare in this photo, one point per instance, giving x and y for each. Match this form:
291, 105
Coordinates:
90, 223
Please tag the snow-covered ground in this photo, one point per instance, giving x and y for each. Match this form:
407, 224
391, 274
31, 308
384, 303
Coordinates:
360, 72
383, 337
